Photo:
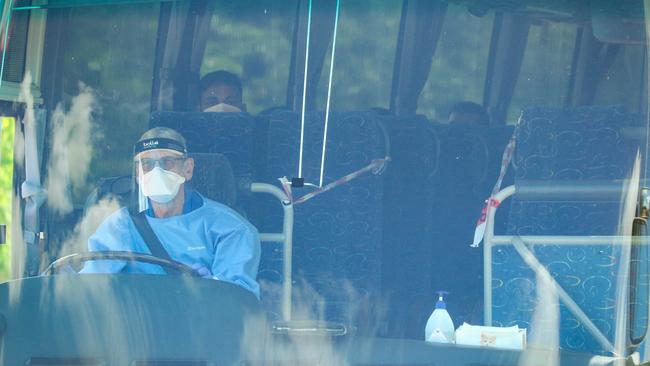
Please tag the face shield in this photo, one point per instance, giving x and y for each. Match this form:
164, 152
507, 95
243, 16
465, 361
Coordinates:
156, 160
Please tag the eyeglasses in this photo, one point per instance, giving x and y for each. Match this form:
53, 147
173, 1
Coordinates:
166, 163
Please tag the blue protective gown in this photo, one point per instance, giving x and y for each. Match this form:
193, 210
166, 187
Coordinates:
209, 234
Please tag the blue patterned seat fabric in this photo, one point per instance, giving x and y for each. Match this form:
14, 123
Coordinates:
583, 145
230, 134
337, 235
213, 177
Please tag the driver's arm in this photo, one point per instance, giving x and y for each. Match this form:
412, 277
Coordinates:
237, 257
112, 235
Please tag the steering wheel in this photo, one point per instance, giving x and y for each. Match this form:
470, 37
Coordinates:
77, 258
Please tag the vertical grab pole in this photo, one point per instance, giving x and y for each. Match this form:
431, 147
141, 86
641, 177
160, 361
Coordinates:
287, 260
329, 94
286, 238
487, 253
487, 267
304, 95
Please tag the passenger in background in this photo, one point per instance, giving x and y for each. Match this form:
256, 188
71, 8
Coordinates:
221, 91
468, 113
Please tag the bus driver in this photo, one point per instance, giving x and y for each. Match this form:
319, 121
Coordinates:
194, 230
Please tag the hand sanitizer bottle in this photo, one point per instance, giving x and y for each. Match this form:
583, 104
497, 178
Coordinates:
440, 327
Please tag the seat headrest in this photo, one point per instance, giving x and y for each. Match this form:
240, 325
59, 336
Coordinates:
214, 177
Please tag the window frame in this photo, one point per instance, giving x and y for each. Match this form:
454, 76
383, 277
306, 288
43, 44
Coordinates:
10, 91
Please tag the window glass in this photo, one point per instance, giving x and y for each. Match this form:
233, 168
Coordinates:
459, 63
16, 47
546, 69
363, 66
6, 176
396, 216
638, 283
621, 83
252, 39
111, 50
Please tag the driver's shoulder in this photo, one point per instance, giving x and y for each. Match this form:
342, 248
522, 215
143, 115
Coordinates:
221, 212
118, 219
114, 230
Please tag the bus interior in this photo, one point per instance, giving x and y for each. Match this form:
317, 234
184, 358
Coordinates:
356, 96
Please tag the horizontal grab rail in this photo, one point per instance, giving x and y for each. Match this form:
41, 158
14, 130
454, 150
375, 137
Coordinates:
561, 240
570, 190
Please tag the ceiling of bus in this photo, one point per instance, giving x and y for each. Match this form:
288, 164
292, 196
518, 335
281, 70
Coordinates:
75, 3
612, 22
633, 8
627, 9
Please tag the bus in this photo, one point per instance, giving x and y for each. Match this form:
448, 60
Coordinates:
494, 151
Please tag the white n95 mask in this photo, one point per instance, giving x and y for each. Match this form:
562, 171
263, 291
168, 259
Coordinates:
160, 185
222, 107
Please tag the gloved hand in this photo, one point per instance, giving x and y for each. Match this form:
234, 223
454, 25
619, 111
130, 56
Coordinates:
202, 270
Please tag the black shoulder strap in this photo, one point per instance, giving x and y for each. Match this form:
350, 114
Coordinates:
146, 232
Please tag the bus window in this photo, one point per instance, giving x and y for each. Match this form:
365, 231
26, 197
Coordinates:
620, 83
459, 62
356, 256
16, 45
546, 68
110, 49
252, 39
639, 280
6, 176
363, 65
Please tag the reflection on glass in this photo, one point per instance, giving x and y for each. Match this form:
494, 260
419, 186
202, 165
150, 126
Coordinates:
408, 187
362, 65
546, 68
458, 65
252, 39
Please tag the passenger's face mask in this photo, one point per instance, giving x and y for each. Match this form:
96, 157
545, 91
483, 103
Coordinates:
222, 107
160, 185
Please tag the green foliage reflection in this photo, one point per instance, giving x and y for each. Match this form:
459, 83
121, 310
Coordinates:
6, 177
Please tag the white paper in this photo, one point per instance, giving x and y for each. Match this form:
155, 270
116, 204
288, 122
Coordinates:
497, 337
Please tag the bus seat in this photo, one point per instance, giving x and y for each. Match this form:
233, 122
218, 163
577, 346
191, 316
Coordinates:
554, 146
214, 178
230, 134
337, 235
119, 188
235, 135
407, 253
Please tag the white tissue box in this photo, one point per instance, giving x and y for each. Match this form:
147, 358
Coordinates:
497, 337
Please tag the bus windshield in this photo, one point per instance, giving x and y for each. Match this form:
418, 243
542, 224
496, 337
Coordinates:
459, 181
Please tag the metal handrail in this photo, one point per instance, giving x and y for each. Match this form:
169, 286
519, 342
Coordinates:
285, 237
491, 240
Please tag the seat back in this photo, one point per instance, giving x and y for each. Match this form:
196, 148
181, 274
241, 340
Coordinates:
230, 134
337, 235
214, 178
555, 149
